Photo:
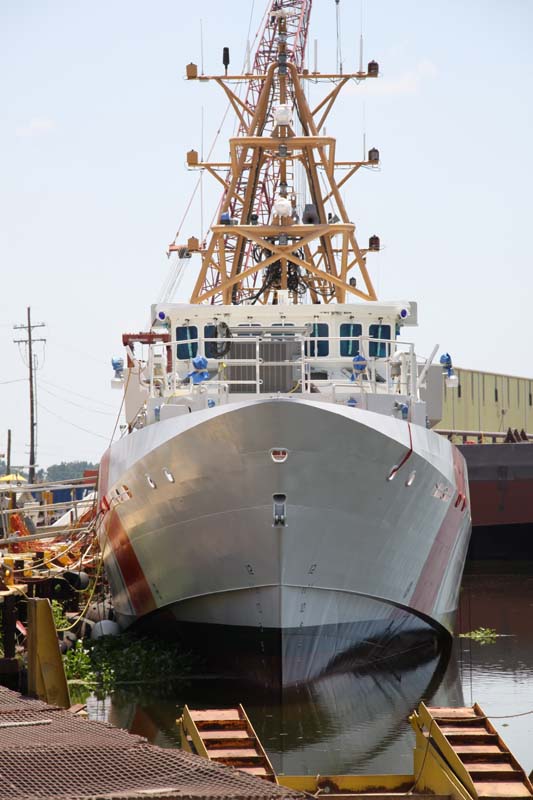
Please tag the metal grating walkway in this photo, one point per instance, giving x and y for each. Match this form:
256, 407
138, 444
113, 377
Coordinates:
47, 753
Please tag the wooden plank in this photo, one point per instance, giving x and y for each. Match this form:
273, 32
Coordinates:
463, 730
497, 775
218, 714
445, 712
481, 749
490, 766
498, 790
232, 752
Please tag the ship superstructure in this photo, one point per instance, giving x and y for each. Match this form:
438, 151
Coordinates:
279, 475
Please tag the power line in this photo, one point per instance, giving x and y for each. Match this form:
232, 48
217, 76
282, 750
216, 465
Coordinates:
77, 394
78, 405
73, 424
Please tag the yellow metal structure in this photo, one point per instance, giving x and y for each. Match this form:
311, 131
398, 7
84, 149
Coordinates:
227, 737
253, 256
487, 401
463, 745
458, 756
46, 673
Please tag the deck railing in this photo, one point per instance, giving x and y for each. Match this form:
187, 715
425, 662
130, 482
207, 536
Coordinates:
394, 372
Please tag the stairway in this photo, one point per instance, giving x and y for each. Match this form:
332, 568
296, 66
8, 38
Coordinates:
227, 737
471, 746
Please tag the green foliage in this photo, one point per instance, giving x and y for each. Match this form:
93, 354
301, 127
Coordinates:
126, 661
60, 620
78, 664
68, 470
481, 635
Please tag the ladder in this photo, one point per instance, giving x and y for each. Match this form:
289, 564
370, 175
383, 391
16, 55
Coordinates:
472, 749
227, 737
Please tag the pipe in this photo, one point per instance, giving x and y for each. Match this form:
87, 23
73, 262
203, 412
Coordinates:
427, 366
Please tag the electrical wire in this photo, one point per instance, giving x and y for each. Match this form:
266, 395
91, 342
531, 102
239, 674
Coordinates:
77, 394
73, 424
78, 405
89, 600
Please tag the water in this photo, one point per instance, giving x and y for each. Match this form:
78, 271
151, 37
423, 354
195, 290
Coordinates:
357, 722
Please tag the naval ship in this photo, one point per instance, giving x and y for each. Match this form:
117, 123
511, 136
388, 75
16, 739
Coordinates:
278, 476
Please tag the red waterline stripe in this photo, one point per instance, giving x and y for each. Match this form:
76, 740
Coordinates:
103, 476
430, 579
139, 591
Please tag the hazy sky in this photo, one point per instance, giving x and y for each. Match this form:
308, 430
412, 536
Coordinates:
95, 121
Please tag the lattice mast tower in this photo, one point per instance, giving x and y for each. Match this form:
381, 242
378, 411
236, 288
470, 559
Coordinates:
263, 241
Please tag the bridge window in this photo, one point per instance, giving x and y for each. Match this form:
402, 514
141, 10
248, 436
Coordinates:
210, 348
378, 349
350, 345
320, 348
189, 348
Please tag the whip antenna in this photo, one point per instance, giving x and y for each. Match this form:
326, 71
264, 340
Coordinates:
339, 49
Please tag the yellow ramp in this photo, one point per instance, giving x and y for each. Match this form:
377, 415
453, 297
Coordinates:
46, 673
225, 735
467, 744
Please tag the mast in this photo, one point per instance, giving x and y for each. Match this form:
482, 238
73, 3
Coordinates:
258, 245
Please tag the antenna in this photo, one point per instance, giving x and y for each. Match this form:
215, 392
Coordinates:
339, 49
225, 58
202, 173
361, 37
316, 55
202, 46
364, 131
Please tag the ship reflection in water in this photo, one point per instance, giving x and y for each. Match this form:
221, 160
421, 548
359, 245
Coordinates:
353, 718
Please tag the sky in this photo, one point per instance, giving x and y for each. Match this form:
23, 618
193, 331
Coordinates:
95, 121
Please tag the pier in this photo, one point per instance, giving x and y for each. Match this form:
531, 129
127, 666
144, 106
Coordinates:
47, 753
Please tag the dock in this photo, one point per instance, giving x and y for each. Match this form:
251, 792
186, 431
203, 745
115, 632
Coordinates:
47, 753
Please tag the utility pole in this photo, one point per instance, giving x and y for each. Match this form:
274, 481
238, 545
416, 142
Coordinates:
8, 459
31, 367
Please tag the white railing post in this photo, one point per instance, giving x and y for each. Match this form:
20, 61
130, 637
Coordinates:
257, 375
302, 357
414, 376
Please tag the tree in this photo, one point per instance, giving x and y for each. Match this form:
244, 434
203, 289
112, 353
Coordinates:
68, 470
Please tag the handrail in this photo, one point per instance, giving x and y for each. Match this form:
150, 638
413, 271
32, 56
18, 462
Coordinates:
405, 381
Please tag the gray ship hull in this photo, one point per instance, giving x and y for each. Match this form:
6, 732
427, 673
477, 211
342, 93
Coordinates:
371, 545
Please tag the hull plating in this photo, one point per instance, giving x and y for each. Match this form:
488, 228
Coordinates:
360, 555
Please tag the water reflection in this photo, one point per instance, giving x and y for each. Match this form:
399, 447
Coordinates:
351, 719
354, 719
499, 676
